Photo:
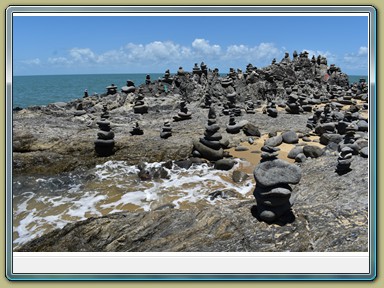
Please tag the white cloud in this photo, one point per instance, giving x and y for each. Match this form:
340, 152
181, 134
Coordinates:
362, 51
202, 46
165, 54
59, 61
35, 61
83, 55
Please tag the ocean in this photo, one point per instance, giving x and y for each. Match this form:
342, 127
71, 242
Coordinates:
42, 90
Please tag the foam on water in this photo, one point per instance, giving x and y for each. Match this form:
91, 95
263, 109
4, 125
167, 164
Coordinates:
115, 187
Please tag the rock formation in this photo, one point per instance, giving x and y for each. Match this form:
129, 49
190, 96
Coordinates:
210, 146
104, 143
272, 191
136, 130
183, 114
166, 130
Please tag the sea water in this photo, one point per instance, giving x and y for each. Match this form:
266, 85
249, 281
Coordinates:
44, 203
42, 90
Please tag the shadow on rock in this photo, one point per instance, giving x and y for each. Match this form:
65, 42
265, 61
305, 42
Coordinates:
286, 218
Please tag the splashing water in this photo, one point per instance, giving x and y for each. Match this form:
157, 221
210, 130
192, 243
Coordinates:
46, 203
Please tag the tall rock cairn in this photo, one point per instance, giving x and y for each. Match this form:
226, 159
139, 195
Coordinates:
104, 143
210, 146
272, 191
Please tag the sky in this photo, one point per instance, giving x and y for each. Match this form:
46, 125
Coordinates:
58, 45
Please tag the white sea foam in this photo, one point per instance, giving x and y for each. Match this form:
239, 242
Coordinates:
116, 185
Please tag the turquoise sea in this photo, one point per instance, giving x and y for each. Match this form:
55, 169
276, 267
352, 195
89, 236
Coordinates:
42, 90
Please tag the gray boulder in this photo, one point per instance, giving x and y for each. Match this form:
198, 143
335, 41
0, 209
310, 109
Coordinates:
276, 172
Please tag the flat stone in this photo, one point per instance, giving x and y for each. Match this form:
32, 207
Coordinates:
251, 130
274, 141
325, 138
275, 172
241, 148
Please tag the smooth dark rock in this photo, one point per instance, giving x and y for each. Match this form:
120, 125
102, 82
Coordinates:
326, 138
295, 151
312, 151
300, 158
274, 141
241, 148
224, 164
290, 137
251, 130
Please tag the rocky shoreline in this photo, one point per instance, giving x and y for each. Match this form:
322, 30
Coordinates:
295, 99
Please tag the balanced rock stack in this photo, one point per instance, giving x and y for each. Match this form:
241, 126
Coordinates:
250, 107
136, 130
344, 161
271, 109
139, 106
183, 114
210, 146
166, 130
104, 113
104, 143
167, 77
272, 191
233, 127
293, 105
207, 100
112, 89
129, 88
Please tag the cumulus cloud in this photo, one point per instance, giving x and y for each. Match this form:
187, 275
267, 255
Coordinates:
35, 61
362, 51
157, 54
202, 46
252, 54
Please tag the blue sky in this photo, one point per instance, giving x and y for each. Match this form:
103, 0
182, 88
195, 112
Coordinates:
46, 45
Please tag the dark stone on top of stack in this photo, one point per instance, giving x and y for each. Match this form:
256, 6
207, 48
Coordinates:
104, 143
